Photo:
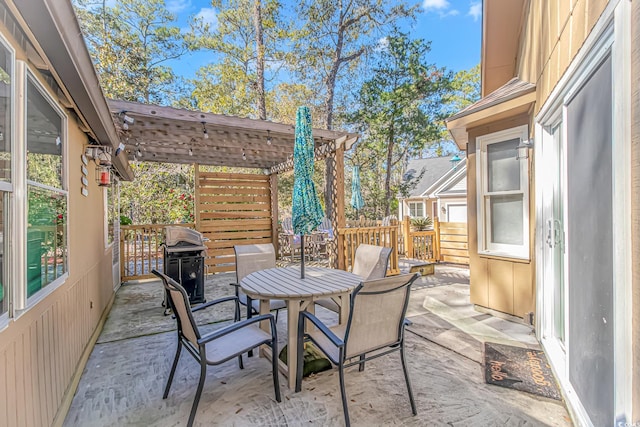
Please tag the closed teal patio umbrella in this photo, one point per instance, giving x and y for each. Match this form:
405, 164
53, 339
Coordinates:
356, 194
306, 212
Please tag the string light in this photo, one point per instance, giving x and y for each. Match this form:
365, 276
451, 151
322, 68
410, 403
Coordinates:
190, 151
205, 134
126, 120
268, 137
244, 156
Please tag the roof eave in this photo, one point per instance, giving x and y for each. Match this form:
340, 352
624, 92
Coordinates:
55, 28
502, 22
446, 177
460, 170
459, 124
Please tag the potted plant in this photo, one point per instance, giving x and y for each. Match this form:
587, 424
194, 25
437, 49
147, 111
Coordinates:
421, 224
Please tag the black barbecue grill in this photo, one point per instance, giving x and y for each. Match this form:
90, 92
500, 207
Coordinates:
184, 253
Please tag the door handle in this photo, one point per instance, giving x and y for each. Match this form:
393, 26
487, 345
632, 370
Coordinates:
558, 233
550, 233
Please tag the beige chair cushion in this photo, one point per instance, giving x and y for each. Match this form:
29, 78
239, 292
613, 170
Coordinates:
223, 347
329, 304
325, 344
371, 261
182, 311
375, 319
252, 258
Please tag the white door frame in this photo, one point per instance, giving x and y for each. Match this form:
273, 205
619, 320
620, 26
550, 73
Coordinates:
610, 35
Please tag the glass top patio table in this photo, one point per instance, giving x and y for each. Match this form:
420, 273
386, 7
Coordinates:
299, 294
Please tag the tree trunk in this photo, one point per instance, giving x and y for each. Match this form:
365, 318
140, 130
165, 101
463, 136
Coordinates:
330, 84
387, 178
257, 22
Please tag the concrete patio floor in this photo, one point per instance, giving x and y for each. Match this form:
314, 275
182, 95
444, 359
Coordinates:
124, 378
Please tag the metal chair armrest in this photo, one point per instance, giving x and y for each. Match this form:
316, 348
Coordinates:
214, 302
239, 325
321, 327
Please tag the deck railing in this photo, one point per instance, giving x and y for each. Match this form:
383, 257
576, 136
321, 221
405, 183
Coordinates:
351, 238
141, 249
141, 245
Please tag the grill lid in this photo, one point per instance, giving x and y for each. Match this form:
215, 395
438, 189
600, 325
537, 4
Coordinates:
184, 237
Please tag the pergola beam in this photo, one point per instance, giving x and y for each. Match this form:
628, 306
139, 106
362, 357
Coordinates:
167, 134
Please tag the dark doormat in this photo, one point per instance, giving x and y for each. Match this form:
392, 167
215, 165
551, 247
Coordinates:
519, 368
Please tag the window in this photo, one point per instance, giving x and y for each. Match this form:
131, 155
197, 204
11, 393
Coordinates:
503, 195
6, 186
416, 209
46, 191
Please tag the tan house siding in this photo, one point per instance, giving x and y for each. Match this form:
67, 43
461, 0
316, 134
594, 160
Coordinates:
553, 34
635, 204
501, 284
41, 348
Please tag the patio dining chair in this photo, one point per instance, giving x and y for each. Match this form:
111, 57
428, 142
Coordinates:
218, 346
375, 328
249, 259
370, 263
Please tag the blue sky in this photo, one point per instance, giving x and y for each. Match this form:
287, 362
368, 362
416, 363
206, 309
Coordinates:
453, 27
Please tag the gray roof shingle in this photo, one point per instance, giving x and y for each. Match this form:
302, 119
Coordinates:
434, 169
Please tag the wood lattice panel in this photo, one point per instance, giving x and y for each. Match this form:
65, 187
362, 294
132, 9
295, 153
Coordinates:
331, 212
232, 209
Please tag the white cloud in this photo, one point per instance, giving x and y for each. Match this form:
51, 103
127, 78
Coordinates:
439, 5
177, 6
208, 16
475, 10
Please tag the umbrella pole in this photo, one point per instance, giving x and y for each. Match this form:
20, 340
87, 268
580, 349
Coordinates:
302, 256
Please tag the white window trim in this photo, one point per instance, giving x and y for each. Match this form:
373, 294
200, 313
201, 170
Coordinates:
485, 247
22, 302
416, 202
8, 187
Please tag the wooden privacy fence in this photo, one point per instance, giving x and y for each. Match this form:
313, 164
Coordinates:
446, 242
141, 249
232, 209
351, 238
454, 245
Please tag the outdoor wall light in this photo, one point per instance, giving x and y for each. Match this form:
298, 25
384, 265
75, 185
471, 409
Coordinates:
102, 158
455, 160
522, 150
103, 175
268, 137
205, 134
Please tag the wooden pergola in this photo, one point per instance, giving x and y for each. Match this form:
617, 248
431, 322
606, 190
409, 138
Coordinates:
165, 134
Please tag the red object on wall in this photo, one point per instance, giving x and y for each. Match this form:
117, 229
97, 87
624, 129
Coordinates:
104, 176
